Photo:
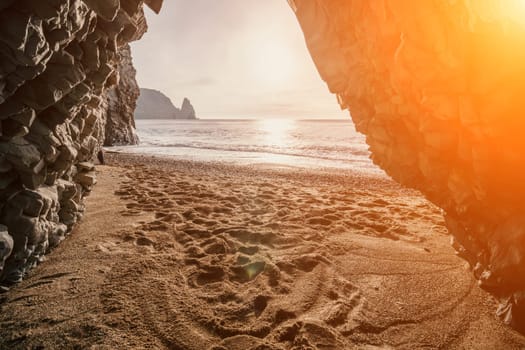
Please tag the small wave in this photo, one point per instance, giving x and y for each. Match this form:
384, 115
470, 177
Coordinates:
309, 141
306, 152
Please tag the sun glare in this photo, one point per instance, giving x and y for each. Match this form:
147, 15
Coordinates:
517, 11
501, 10
276, 130
272, 63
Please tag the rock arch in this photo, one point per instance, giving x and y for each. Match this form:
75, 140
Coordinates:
440, 106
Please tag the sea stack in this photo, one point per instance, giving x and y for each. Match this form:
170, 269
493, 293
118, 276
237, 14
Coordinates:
187, 111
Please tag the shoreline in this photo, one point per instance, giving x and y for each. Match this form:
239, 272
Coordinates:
190, 255
349, 176
306, 162
279, 141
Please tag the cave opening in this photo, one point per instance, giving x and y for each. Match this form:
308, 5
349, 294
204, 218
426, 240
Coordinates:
452, 131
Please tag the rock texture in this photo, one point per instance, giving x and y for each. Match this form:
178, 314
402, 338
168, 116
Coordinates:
57, 59
121, 101
153, 104
438, 88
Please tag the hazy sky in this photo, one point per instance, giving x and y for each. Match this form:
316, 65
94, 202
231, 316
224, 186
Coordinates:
232, 59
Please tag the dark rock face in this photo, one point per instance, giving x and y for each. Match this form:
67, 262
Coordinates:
153, 104
57, 59
121, 101
438, 89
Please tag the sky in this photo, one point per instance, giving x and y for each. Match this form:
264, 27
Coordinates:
232, 59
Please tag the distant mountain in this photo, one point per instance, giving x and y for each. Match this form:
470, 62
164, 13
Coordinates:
153, 104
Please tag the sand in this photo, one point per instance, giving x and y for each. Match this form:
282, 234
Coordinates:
184, 255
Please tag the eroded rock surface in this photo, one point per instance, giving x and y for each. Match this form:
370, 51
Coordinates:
57, 59
438, 88
121, 101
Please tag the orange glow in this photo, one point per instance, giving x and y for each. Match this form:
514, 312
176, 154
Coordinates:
438, 87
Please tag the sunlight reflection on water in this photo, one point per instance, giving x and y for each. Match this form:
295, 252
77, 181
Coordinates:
278, 142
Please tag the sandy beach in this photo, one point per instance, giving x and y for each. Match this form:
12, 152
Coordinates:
186, 255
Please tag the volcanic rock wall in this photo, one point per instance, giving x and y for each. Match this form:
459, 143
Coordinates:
57, 58
438, 88
120, 102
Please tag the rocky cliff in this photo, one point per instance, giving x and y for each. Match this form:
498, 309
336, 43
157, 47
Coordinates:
438, 89
57, 59
153, 104
120, 103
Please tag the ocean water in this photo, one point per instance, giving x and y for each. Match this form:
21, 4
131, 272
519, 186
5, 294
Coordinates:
276, 142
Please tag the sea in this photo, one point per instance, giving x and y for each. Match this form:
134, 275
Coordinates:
274, 142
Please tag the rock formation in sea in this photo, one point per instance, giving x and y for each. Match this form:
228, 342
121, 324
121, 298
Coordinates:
438, 88
187, 111
58, 57
153, 104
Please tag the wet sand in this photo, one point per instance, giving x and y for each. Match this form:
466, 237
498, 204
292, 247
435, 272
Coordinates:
183, 255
